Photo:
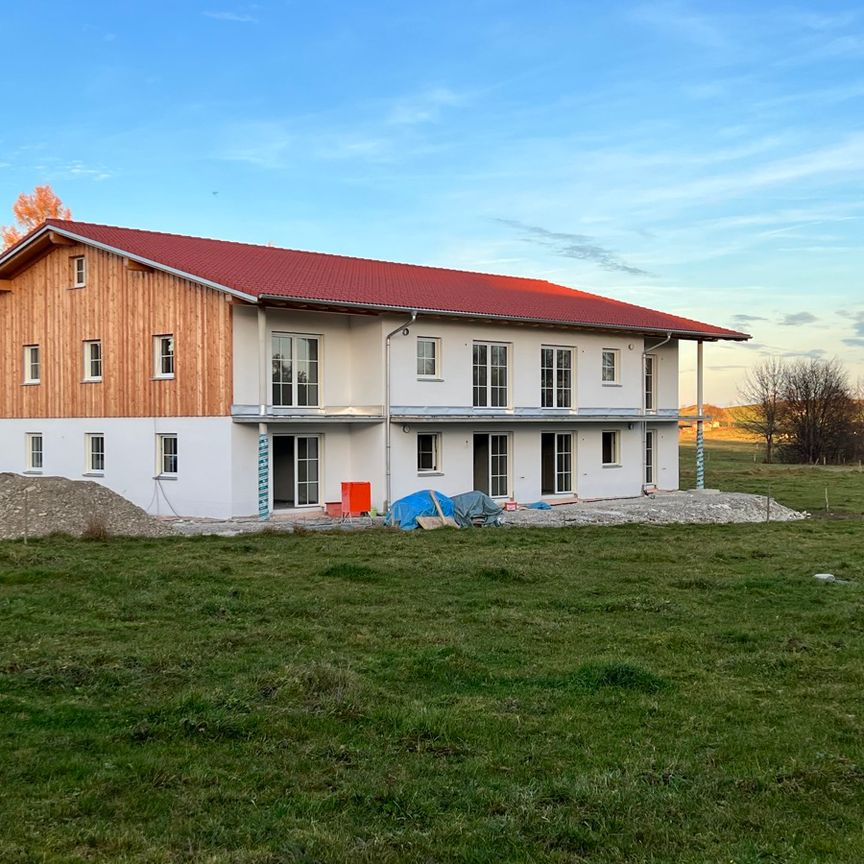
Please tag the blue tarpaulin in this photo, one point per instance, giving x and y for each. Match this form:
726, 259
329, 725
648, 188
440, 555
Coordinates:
404, 512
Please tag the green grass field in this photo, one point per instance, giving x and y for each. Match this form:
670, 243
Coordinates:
632, 694
730, 465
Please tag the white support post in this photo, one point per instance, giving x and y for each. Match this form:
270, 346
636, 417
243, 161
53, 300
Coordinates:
700, 432
262, 361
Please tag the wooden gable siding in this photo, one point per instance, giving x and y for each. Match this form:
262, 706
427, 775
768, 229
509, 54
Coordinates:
124, 309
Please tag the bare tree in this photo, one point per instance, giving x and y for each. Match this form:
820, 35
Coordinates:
819, 411
762, 395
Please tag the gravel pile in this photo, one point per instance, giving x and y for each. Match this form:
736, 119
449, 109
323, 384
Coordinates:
664, 508
55, 504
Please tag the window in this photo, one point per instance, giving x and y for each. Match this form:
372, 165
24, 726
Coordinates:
93, 360
611, 447
650, 383
556, 377
556, 463
31, 364
33, 451
163, 356
427, 453
295, 370
490, 375
611, 358
428, 353
94, 453
166, 455
79, 272
649, 457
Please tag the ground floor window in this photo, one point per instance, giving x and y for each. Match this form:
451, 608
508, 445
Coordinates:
94, 453
167, 455
556, 463
492, 464
611, 447
296, 470
33, 451
428, 449
650, 457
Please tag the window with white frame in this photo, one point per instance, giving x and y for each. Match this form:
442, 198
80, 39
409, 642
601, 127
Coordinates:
490, 375
611, 447
93, 360
428, 453
33, 451
32, 364
428, 357
79, 272
163, 355
166, 455
295, 370
611, 363
94, 452
556, 377
650, 383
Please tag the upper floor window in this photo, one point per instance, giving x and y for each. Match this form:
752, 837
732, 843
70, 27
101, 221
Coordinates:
32, 364
163, 356
428, 444
92, 360
611, 364
650, 383
295, 370
556, 377
94, 453
490, 375
33, 451
79, 272
428, 357
167, 460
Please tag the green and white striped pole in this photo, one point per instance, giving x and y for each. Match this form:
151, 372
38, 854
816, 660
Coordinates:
700, 438
263, 476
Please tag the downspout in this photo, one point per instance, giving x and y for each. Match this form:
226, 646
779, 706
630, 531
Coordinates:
645, 353
387, 433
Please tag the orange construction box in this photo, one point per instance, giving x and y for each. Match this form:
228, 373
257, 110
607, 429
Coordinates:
356, 498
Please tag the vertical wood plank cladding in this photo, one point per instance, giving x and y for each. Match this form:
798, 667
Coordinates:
125, 309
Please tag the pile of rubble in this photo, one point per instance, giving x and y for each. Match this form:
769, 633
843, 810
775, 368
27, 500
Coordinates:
36, 506
663, 508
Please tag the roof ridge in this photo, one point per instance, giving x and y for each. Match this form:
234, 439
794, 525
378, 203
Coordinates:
63, 222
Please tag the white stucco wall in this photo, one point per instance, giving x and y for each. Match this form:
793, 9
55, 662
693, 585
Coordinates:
202, 487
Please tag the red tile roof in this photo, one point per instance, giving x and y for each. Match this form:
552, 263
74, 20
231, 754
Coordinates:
266, 271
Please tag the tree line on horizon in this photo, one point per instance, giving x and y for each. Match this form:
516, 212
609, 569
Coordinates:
805, 410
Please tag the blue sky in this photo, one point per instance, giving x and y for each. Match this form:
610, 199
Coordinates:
701, 158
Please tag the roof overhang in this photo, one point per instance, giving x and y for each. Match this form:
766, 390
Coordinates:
322, 305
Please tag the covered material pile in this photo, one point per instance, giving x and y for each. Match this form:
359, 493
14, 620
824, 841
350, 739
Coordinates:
468, 509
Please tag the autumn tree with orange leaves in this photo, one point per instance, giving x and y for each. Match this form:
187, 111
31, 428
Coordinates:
31, 211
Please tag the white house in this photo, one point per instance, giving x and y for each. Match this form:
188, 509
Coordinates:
203, 377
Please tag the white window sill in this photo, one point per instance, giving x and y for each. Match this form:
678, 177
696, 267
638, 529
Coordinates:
91, 380
430, 473
613, 465
93, 474
165, 477
429, 378
611, 383
31, 383
34, 471
162, 378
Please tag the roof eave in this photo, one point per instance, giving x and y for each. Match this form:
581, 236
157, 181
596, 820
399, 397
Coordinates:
582, 325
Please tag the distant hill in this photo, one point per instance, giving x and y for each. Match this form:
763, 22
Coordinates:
723, 422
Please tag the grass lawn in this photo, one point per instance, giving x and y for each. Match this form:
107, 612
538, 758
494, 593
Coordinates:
729, 465
639, 694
